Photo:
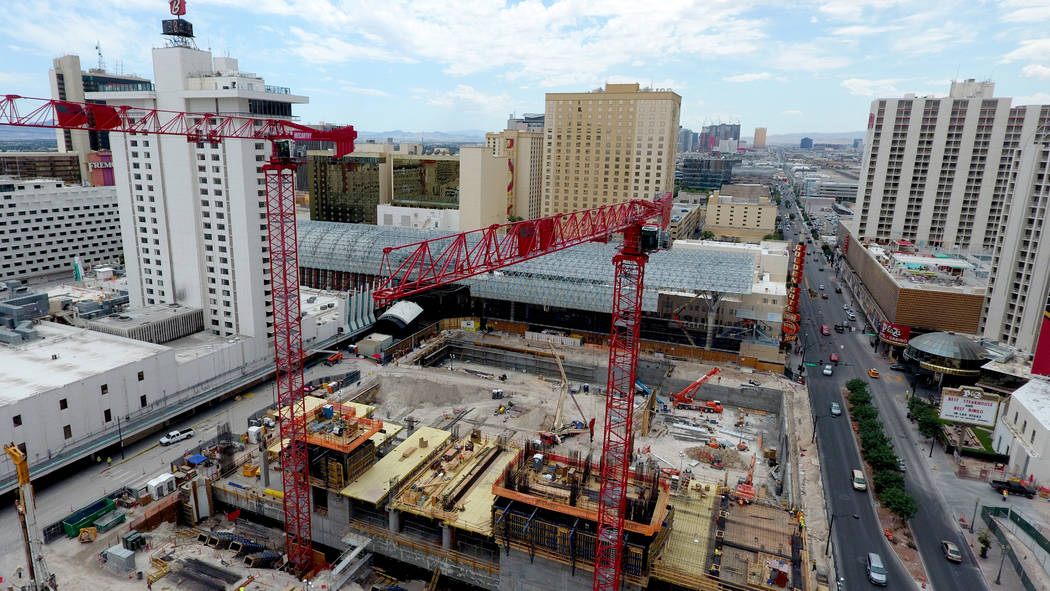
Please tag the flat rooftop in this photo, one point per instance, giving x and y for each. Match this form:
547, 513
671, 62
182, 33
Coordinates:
938, 271
141, 316
374, 485
63, 356
1035, 396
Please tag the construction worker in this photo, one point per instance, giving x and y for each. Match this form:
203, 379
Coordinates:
1004, 495
98, 459
109, 461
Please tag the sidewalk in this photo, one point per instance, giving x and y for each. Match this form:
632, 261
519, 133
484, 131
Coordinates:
990, 566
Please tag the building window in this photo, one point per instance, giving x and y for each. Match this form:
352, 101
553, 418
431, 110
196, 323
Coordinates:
17, 420
107, 415
105, 388
63, 404
142, 401
67, 432
142, 376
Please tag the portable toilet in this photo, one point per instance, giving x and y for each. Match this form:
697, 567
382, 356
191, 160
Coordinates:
254, 434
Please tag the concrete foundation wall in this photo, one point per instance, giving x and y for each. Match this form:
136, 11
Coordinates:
518, 573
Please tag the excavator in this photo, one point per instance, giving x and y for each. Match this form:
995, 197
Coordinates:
745, 491
559, 430
40, 579
687, 397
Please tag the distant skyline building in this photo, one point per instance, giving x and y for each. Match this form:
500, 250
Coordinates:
527, 122
48, 224
686, 140
64, 166
705, 172
193, 215
760, 137
806, 143
711, 136
70, 83
608, 146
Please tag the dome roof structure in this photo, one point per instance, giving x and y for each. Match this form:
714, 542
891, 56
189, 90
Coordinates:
948, 344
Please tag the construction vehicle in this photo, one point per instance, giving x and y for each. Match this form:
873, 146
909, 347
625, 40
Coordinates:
559, 430
87, 535
687, 397
745, 491
39, 576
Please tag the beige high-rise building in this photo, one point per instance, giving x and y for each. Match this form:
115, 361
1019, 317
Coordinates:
743, 212
608, 146
523, 152
760, 137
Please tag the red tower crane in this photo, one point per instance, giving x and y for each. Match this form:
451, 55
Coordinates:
280, 215
417, 267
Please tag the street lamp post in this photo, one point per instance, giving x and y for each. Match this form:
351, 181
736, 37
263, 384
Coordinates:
120, 438
831, 524
1002, 559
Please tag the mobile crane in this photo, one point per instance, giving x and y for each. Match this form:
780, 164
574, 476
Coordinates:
39, 576
559, 430
687, 397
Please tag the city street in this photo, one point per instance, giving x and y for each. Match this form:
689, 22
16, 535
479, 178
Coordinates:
935, 521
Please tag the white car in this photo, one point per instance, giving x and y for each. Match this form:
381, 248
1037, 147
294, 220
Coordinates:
177, 436
851, 315
828, 370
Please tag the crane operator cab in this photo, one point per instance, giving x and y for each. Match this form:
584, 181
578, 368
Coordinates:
653, 239
283, 149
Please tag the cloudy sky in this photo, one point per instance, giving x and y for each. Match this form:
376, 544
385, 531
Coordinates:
789, 65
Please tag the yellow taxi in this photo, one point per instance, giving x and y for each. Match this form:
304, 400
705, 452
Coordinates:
874, 373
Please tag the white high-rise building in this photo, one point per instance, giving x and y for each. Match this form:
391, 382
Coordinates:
1013, 312
47, 224
930, 169
969, 173
193, 215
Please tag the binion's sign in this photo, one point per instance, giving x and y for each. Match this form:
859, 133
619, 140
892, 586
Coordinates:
970, 405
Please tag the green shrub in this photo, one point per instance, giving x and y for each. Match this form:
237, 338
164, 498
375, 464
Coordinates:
900, 503
886, 479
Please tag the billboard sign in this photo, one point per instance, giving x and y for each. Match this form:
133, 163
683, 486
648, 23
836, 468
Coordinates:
895, 334
969, 404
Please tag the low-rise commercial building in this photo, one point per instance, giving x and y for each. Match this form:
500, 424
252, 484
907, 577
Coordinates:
1023, 431
741, 212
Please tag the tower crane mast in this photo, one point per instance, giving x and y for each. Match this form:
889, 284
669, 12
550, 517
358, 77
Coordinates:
417, 267
279, 179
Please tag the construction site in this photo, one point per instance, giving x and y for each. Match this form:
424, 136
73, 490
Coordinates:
472, 459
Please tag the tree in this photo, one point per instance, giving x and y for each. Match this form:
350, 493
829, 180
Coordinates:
882, 458
887, 479
707, 235
860, 397
929, 424
856, 384
865, 412
900, 503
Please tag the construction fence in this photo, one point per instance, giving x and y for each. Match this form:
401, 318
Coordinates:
988, 514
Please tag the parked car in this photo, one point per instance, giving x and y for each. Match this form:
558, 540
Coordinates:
824, 296
836, 409
821, 286
828, 370
874, 373
851, 315
899, 367
901, 465
838, 289
1013, 487
951, 551
846, 307
876, 571
177, 436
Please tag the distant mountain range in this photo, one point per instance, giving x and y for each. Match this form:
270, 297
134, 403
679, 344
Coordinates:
792, 139
8, 132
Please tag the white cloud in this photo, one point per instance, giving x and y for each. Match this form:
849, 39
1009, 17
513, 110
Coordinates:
853, 10
1025, 11
748, 77
1039, 98
317, 49
806, 57
468, 98
1030, 49
935, 39
1035, 71
791, 113
863, 87
863, 30
352, 89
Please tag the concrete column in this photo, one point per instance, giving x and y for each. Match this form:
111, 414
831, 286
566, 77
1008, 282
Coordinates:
446, 536
394, 520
